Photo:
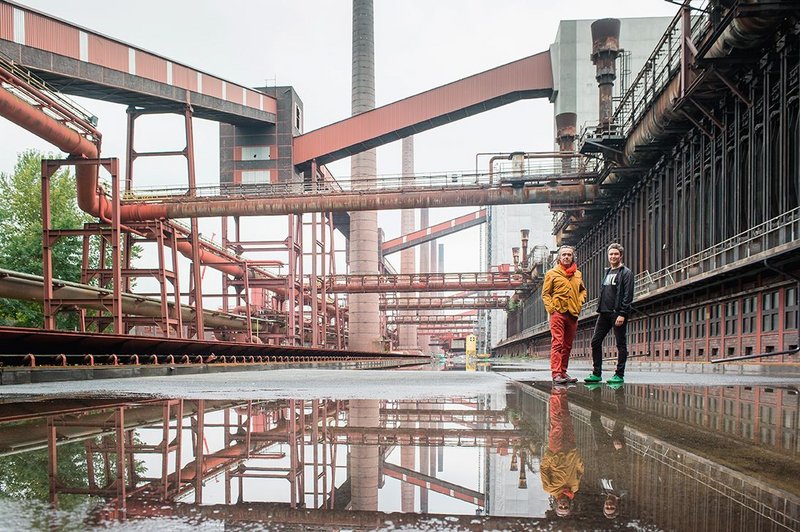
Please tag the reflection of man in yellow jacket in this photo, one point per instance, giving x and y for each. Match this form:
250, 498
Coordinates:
563, 295
561, 468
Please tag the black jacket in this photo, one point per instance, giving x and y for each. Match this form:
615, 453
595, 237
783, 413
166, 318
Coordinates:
622, 306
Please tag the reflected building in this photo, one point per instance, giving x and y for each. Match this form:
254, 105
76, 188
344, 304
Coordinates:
501, 461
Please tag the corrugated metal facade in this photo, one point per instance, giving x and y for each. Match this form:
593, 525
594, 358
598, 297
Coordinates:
151, 67
51, 35
184, 78
6, 22
212, 86
108, 53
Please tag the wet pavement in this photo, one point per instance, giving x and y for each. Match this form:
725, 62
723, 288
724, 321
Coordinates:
488, 446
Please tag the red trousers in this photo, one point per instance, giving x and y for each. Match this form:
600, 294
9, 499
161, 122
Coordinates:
562, 329
562, 433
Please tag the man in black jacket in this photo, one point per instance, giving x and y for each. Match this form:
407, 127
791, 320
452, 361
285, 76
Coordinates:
613, 307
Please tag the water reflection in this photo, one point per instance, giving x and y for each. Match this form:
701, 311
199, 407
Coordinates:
649, 456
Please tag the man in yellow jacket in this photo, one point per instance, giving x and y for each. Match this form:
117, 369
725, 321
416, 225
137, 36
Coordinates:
562, 466
563, 294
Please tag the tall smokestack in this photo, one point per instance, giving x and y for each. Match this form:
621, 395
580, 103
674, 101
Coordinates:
364, 320
424, 267
605, 49
407, 334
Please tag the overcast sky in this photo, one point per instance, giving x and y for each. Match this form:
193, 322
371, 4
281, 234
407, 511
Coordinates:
419, 44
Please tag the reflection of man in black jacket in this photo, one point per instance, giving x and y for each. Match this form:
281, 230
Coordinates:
614, 307
612, 458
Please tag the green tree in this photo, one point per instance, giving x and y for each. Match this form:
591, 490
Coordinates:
21, 233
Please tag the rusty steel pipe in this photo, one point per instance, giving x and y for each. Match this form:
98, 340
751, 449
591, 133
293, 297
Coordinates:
90, 199
27, 287
743, 32
506, 195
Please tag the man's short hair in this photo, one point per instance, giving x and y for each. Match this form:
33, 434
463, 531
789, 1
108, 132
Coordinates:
616, 246
566, 247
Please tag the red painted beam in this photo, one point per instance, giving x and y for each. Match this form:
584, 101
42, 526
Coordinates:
530, 77
435, 231
437, 303
434, 484
423, 282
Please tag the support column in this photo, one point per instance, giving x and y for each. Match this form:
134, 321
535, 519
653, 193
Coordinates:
364, 323
407, 334
424, 267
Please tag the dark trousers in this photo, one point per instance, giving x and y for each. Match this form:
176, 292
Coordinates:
605, 322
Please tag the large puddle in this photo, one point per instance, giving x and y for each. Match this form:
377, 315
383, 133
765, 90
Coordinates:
526, 456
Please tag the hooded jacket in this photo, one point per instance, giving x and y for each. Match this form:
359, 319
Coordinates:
622, 305
561, 293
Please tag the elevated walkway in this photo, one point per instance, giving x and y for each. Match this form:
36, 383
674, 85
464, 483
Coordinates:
530, 77
81, 62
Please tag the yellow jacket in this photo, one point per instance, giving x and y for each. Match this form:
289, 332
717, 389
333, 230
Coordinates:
561, 293
560, 471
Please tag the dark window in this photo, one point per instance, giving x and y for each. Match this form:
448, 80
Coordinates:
714, 324
700, 322
731, 317
749, 315
790, 309
687, 328
769, 311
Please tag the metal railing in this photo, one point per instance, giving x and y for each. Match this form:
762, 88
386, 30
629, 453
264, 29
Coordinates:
543, 172
767, 235
28, 87
658, 70
773, 232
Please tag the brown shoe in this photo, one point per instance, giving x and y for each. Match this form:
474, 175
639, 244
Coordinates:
571, 380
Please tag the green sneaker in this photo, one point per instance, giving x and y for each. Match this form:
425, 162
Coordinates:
592, 378
615, 385
593, 385
616, 379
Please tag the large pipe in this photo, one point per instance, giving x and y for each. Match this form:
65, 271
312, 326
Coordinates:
27, 287
90, 199
377, 200
742, 33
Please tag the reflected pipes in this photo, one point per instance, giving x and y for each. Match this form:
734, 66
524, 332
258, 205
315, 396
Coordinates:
672, 439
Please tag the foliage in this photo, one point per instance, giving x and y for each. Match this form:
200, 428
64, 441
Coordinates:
21, 233
24, 476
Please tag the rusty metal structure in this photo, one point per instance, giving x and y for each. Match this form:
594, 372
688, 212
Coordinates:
45, 58
281, 440
694, 170
700, 184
